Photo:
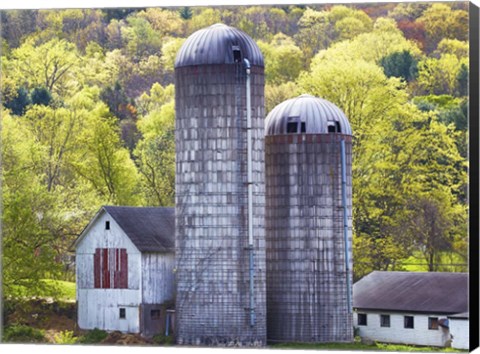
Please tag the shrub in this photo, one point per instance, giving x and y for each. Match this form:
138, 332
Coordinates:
162, 339
94, 336
65, 337
23, 334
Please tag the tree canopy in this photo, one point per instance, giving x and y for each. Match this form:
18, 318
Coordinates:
88, 120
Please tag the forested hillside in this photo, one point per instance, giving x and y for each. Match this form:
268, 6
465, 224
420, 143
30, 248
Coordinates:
88, 120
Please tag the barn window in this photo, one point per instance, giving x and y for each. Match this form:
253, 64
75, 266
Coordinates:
107, 225
362, 319
110, 266
408, 322
433, 323
155, 314
123, 313
384, 320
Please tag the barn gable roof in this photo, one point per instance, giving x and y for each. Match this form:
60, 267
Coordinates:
151, 229
432, 292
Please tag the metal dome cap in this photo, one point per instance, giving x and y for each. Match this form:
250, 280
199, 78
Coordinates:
218, 44
306, 114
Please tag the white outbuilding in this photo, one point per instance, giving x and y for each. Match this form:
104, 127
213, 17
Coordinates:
124, 269
459, 329
411, 307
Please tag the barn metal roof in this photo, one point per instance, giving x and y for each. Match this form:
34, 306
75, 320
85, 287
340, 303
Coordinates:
432, 292
151, 229
215, 45
317, 114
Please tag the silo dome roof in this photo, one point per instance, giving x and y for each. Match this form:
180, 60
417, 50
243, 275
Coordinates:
218, 44
306, 114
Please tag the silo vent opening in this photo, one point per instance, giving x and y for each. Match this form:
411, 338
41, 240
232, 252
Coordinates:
292, 127
237, 55
334, 127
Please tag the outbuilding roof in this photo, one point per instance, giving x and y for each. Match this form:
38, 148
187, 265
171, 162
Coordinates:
151, 229
312, 115
463, 315
432, 292
218, 44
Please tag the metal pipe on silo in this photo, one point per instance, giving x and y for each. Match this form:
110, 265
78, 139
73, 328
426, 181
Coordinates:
345, 223
246, 63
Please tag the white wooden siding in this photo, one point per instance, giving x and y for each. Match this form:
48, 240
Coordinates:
158, 277
459, 328
100, 307
396, 333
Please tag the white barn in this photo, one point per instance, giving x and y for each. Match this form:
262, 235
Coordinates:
124, 269
409, 307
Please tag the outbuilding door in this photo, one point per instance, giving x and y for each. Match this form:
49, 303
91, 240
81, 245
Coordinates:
153, 319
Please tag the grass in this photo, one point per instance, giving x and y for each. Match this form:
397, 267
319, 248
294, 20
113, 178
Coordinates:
364, 347
57, 289
64, 289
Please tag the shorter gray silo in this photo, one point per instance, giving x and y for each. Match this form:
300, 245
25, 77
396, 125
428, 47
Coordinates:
308, 153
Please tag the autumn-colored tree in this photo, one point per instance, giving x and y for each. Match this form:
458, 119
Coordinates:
441, 22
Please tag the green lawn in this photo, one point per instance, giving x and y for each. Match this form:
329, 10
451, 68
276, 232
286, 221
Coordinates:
64, 290
364, 347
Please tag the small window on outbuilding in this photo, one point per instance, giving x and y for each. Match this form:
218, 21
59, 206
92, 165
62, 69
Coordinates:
123, 313
331, 129
107, 225
155, 314
433, 323
408, 322
237, 54
384, 320
362, 319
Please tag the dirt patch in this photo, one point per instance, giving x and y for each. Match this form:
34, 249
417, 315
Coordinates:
119, 338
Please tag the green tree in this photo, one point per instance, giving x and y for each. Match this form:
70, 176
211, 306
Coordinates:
30, 215
440, 76
141, 38
283, 59
400, 64
40, 95
276, 94
164, 22
18, 103
156, 155
50, 65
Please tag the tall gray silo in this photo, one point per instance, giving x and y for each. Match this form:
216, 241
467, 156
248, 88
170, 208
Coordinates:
220, 195
308, 153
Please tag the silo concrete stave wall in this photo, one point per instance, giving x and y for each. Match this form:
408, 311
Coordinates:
212, 256
306, 274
